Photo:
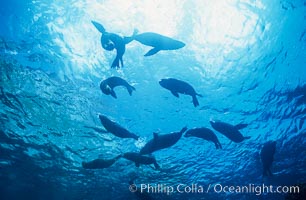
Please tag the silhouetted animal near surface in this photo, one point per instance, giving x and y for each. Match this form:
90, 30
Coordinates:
116, 129
267, 157
158, 42
100, 163
111, 41
205, 134
177, 86
141, 159
230, 131
107, 86
162, 141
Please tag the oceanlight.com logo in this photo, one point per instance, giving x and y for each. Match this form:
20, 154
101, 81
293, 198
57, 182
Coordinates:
210, 188
256, 189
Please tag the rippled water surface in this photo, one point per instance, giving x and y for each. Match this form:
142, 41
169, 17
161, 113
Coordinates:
246, 58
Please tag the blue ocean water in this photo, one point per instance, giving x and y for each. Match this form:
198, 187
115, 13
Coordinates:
247, 58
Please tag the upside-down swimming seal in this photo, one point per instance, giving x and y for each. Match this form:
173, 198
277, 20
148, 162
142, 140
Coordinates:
141, 159
116, 129
158, 42
267, 157
100, 163
177, 86
230, 131
107, 86
162, 141
204, 133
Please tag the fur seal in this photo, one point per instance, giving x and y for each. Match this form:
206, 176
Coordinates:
158, 42
162, 141
111, 41
177, 86
141, 159
107, 86
204, 133
230, 131
100, 163
266, 155
116, 129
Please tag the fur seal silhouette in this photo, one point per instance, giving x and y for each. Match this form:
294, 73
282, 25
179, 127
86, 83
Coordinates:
158, 42
100, 163
230, 131
107, 86
162, 141
141, 159
111, 41
205, 134
266, 155
116, 129
177, 86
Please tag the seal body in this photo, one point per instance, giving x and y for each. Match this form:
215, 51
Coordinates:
116, 129
99, 163
162, 141
141, 159
107, 86
204, 133
111, 41
159, 42
230, 131
177, 86
267, 157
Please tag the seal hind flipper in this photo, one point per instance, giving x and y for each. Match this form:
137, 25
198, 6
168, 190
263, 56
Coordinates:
175, 93
130, 89
152, 52
137, 164
241, 126
246, 137
98, 26
183, 129
130, 38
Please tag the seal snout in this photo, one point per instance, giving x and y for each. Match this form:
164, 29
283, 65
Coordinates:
212, 121
181, 45
101, 117
162, 82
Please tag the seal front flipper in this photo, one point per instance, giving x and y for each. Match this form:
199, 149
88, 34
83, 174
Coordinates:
175, 93
218, 145
157, 167
241, 126
195, 101
112, 92
246, 137
98, 26
199, 95
152, 52
155, 136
